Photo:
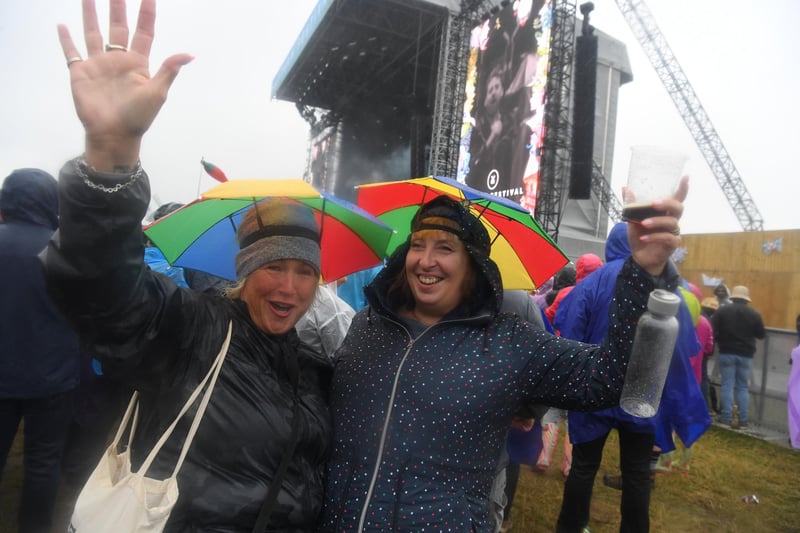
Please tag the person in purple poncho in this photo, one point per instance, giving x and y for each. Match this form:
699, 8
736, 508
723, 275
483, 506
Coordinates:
793, 394
584, 315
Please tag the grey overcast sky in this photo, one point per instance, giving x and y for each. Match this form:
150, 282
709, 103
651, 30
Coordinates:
735, 53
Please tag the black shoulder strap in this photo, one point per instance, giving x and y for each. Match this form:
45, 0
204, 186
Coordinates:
275, 487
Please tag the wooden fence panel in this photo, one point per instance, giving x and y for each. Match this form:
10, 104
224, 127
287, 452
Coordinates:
767, 262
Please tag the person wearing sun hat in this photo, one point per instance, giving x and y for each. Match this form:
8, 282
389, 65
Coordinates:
736, 328
432, 373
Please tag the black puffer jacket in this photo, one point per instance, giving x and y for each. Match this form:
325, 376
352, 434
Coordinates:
162, 340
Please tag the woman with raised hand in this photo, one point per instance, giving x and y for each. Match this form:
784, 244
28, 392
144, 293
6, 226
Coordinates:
269, 404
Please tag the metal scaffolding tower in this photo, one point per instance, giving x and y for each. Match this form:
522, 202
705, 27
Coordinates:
658, 51
449, 105
557, 149
605, 196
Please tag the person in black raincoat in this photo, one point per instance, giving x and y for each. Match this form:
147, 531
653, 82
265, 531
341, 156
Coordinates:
39, 353
162, 339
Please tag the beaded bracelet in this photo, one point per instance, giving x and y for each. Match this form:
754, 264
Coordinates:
81, 168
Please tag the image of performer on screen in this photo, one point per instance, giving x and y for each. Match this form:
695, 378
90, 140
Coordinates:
491, 143
500, 141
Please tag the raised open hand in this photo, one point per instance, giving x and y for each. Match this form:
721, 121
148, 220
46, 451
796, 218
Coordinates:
114, 95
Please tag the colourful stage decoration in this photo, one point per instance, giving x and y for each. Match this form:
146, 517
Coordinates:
214, 171
772, 247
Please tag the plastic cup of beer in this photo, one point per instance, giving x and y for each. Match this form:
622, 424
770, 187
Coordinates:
654, 173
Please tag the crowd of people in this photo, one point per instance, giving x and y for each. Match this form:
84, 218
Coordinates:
384, 402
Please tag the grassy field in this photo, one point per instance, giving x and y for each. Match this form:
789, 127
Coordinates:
726, 466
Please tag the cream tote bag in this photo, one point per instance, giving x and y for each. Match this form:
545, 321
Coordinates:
117, 500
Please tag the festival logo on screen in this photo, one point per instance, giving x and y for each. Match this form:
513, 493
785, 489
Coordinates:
503, 127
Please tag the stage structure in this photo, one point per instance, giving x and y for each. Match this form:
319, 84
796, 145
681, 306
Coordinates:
363, 73
583, 223
383, 86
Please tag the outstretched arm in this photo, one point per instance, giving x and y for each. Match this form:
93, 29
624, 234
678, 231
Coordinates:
114, 95
584, 377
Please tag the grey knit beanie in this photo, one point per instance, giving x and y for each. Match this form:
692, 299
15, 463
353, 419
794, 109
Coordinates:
276, 229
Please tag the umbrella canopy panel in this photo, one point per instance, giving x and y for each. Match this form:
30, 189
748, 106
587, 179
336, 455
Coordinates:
202, 234
526, 255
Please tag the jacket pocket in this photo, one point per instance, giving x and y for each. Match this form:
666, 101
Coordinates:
431, 495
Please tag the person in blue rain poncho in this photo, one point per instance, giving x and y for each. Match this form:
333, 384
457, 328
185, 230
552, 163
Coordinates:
584, 315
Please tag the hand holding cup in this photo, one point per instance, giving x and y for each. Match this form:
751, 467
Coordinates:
653, 174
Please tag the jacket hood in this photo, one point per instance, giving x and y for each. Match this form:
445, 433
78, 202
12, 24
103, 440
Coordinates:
617, 246
30, 195
585, 265
722, 288
488, 295
565, 277
692, 303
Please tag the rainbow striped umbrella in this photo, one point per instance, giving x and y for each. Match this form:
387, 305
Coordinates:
525, 254
202, 234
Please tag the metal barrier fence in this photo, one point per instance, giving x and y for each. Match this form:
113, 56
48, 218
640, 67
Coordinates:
768, 381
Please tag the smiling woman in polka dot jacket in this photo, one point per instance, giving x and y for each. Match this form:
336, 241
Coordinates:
431, 374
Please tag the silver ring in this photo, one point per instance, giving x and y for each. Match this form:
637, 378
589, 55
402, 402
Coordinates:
73, 59
110, 47
676, 231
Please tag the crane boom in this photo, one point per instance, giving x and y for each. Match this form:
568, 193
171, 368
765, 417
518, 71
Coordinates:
660, 55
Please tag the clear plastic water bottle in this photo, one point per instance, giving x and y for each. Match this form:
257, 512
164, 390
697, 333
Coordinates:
651, 354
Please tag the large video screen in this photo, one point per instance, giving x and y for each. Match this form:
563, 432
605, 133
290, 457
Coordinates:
503, 127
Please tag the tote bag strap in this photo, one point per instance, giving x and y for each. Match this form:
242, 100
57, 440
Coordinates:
213, 371
133, 405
